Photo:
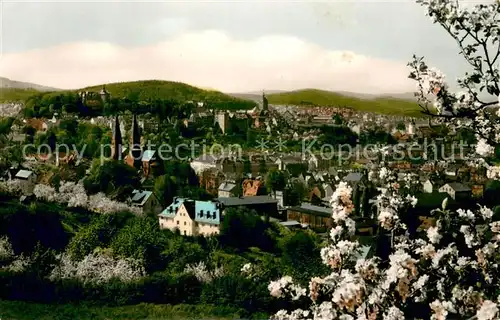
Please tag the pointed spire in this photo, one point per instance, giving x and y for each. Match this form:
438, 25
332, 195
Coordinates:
264, 101
116, 140
135, 144
136, 137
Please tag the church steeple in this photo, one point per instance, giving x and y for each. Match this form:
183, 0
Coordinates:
136, 136
135, 143
265, 103
116, 141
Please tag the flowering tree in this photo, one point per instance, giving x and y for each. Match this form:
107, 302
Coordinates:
74, 195
477, 33
451, 269
203, 273
97, 267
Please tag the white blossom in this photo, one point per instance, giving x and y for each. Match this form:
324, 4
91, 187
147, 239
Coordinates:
6, 251
488, 311
203, 273
483, 148
97, 267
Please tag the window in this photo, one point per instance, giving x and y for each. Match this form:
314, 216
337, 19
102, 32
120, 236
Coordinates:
184, 232
177, 222
184, 222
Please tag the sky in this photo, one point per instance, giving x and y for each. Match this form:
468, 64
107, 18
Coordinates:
232, 46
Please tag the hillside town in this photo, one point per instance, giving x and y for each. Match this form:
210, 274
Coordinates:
284, 184
323, 197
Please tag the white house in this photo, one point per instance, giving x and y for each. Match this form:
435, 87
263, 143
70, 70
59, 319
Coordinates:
27, 180
456, 190
428, 186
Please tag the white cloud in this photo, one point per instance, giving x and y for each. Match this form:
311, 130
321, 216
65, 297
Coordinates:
210, 59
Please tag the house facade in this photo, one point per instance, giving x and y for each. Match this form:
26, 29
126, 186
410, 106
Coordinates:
428, 186
314, 216
457, 191
26, 180
227, 189
146, 201
191, 218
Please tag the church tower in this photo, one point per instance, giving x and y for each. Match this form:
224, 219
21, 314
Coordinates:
135, 144
116, 141
265, 103
104, 94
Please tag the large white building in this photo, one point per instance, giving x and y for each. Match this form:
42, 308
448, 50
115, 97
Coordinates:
192, 218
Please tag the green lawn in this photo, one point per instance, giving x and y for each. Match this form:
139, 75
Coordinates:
14, 310
314, 97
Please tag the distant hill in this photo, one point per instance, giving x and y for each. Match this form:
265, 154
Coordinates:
149, 89
12, 84
314, 97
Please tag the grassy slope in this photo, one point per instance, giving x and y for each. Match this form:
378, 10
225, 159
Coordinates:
150, 89
390, 106
15, 310
7, 95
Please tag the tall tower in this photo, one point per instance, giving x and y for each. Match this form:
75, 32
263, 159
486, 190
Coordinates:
104, 94
265, 103
116, 141
135, 143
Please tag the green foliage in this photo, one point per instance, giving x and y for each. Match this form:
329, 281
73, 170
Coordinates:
142, 239
237, 291
163, 97
275, 180
376, 136
401, 126
315, 97
301, 255
337, 135
242, 229
181, 251
12, 95
491, 191
179, 179
28, 226
6, 125
114, 178
155, 89
28, 311
96, 234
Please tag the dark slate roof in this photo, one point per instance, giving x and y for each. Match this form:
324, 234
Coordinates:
242, 201
353, 176
458, 187
311, 209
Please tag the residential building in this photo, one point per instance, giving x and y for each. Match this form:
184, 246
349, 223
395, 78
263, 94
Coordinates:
210, 180
253, 187
191, 218
149, 160
428, 186
38, 124
146, 201
314, 216
27, 181
203, 162
262, 205
227, 189
456, 190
